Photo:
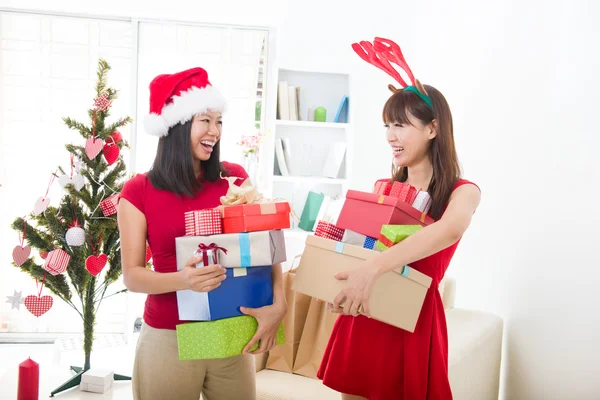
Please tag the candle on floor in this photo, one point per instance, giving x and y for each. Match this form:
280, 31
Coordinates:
29, 380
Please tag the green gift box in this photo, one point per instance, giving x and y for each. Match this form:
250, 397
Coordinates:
218, 339
393, 234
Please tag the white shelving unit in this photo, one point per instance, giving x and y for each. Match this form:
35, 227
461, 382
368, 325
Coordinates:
309, 141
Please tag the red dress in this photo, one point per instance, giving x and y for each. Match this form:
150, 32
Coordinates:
368, 358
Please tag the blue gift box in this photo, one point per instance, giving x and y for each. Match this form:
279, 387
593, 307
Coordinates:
358, 239
243, 287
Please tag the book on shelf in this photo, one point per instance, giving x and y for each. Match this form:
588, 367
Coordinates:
288, 102
342, 113
281, 163
333, 162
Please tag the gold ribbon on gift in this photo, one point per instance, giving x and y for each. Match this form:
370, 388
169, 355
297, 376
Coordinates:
248, 194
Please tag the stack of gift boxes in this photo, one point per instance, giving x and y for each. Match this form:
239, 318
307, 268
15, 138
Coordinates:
246, 239
368, 224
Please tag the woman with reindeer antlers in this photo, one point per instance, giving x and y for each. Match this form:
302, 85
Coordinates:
369, 359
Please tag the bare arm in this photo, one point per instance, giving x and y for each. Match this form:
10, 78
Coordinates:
137, 278
423, 243
437, 236
278, 293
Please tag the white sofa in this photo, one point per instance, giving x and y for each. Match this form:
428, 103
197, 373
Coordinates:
475, 349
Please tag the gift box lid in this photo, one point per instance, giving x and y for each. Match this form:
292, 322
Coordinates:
390, 201
97, 376
365, 254
282, 207
397, 233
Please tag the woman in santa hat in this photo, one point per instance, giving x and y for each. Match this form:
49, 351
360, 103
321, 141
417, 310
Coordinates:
185, 112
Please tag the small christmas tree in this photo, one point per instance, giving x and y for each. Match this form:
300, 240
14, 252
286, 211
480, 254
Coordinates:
79, 238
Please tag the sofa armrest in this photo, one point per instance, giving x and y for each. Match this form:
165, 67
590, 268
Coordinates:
475, 353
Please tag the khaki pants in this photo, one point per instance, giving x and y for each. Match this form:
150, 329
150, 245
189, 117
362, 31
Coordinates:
158, 374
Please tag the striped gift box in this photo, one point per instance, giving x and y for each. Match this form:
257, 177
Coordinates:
56, 262
203, 222
382, 188
329, 231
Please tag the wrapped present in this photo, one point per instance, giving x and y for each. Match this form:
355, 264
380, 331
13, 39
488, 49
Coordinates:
393, 234
356, 239
329, 231
218, 339
396, 298
96, 380
256, 217
422, 202
236, 250
242, 287
56, 262
311, 210
403, 191
382, 188
203, 222
109, 205
365, 213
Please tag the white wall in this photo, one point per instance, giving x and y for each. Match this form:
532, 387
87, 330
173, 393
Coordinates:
521, 81
521, 78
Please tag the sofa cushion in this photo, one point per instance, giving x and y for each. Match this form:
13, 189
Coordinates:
275, 385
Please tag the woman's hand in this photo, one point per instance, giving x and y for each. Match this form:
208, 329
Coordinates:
269, 318
354, 298
203, 279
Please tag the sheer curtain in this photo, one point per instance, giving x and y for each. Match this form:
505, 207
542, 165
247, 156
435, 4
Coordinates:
230, 56
48, 70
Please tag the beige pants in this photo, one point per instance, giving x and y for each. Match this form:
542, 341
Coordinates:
158, 374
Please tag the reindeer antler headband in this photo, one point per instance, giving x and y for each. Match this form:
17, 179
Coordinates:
381, 53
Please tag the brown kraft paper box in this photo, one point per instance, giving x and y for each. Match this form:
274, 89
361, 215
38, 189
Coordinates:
397, 296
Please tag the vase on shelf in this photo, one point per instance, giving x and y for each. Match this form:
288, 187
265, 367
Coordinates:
251, 166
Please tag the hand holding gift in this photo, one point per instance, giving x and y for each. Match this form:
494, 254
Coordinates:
354, 298
269, 319
202, 279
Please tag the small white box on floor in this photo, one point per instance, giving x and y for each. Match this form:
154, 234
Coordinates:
97, 381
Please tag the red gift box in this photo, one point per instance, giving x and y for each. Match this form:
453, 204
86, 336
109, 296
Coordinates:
404, 192
56, 262
109, 205
365, 213
256, 217
382, 188
329, 231
203, 222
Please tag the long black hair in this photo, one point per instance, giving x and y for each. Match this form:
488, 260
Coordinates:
173, 167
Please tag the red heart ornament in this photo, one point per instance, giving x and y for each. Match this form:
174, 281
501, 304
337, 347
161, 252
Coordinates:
111, 153
95, 264
38, 305
21, 254
93, 147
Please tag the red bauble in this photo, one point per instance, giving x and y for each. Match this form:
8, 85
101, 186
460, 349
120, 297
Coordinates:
116, 136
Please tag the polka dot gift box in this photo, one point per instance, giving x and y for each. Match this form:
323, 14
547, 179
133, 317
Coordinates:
218, 339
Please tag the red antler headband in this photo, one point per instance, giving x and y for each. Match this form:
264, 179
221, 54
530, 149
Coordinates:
381, 53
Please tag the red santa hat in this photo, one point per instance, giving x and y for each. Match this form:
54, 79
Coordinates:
176, 98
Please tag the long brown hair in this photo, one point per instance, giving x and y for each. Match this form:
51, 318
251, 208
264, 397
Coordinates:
442, 152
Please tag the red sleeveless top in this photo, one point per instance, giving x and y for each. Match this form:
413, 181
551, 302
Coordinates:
164, 212
368, 358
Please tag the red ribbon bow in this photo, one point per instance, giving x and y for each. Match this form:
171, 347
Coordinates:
213, 246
